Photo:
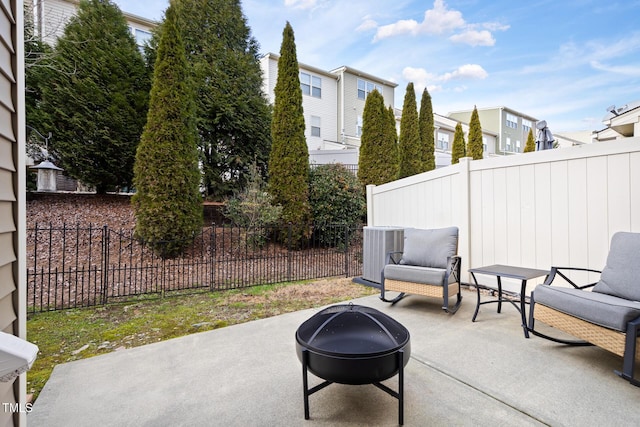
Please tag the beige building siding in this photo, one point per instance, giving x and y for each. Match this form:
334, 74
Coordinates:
51, 16
12, 195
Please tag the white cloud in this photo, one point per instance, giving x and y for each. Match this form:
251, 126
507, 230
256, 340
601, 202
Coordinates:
367, 24
300, 4
422, 78
467, 71
628, 70
441, 20
474, 38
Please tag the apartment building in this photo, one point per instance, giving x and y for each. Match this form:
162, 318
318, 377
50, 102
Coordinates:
333, 101
510, 126
445, 129
51, 16
621, 122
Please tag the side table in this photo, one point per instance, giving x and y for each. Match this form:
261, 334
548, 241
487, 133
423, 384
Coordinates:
511, 272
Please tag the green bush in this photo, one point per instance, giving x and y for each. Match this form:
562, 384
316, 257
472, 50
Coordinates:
253, 209
336, 197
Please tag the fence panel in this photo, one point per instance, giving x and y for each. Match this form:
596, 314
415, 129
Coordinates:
71, 267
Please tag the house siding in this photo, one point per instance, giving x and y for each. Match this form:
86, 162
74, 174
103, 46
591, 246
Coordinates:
324, 107
52, 16
12, 197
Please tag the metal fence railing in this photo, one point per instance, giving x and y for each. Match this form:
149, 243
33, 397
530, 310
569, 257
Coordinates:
82, 266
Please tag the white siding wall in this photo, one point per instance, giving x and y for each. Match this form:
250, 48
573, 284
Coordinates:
325, 107
12, 195
53, 17
555, 207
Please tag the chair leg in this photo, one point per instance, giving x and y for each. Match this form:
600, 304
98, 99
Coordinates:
393, 300
452, 310
629, 360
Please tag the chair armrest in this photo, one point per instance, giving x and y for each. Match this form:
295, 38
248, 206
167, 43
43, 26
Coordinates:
558, 271
391, 257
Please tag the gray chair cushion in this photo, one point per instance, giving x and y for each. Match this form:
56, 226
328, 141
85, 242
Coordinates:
621, 276
598, 308
429, 248
411, 273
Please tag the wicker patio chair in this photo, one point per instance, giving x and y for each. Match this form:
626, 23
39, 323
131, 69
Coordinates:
428, 265
605, 313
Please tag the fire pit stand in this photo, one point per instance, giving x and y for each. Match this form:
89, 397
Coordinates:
350, 344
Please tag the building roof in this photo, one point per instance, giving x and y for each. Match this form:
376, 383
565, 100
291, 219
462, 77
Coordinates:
350, 70
316, 70
502, 107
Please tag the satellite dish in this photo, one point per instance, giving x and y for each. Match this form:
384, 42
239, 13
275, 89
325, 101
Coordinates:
541, 124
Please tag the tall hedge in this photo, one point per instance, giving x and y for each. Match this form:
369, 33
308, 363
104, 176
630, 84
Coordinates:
458, 149
474, 145
427, 136
409, 146
233, 116
289, 157
377, 162
95, 97
168, 205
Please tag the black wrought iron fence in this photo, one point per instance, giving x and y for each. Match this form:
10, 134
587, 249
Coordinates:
82, 266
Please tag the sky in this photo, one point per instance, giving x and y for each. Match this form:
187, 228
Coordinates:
563, 61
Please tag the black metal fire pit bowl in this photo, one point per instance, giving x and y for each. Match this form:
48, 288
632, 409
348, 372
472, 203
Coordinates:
353, 344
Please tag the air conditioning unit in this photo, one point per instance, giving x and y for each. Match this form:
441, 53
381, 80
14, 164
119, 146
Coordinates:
377, 243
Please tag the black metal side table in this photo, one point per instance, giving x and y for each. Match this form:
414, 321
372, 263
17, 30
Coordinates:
510, 272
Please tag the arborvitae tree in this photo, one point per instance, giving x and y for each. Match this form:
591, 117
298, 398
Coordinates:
167, 203
97, 99
232, 112
391, 147
377, 162
475, 146
458, 150
531, 143
289, 158
427, 132
410, 149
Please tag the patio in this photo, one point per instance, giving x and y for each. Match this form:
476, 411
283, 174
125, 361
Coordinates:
460, 373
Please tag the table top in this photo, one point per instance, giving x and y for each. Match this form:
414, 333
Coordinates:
510, 271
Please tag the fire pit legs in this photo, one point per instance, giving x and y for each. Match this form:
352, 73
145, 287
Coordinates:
398, 395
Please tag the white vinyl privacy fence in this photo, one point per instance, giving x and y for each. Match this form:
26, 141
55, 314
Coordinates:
558, 207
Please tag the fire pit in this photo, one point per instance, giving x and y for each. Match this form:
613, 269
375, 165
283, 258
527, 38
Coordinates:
352, 344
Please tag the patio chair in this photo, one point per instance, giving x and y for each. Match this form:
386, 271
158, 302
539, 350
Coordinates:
428, 265
605, 313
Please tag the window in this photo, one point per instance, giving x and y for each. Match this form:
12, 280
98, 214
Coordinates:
311, 85
512, 121
526, 125
508, 145
365, 88
359, 126
443, 141
142, 38
315, 126
518, 145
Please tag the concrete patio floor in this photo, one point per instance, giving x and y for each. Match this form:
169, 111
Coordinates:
460, 373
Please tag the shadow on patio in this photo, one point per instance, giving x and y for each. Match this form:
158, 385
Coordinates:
460, 373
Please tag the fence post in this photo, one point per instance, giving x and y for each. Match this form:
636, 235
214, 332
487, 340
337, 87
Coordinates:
212, 250
105, 263
346, 249
289, 233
